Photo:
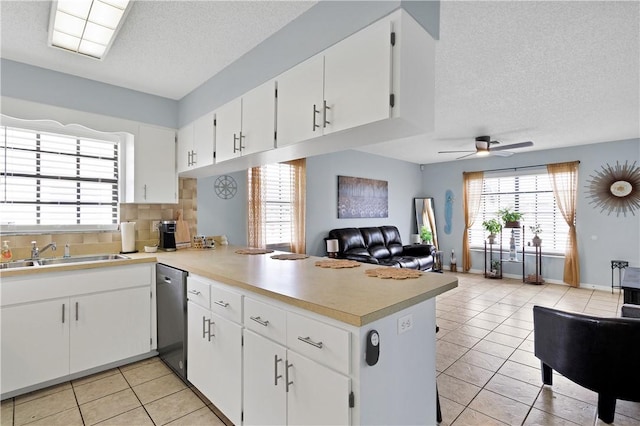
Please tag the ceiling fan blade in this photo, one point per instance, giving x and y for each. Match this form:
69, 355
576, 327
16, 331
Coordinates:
501, 153
465, 156
512, 146
449, 152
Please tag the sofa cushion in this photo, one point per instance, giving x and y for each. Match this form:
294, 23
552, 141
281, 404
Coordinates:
349, 239
374, 241
392, 239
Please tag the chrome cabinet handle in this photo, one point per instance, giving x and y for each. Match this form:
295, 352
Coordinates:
324, 114
240, 140
221, 303
206, 331
194, 158
189, 159
63, 309
209, 322
76, 311
308, 340
276, 360
315, 111
235, 138
196, 292
260, 321
286, 375
145, 191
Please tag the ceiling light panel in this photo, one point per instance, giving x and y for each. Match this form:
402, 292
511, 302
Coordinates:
87, 27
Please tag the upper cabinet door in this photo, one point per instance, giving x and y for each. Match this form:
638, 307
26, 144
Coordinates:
259, 119
300, 92
155, 181
357, 78
203, 140
228, 128
184, 148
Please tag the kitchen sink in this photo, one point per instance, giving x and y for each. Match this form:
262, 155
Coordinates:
18, 264
61, 260
76, 259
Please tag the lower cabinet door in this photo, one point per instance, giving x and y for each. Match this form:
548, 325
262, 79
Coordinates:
109, 326
35, 343
317, 395
199, 350
265, 397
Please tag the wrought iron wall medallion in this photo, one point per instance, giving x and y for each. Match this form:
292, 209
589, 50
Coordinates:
615, 188
226, 187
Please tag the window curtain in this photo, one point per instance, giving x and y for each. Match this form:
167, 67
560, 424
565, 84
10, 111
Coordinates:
564, 178
255, 209
298, 205
472, 182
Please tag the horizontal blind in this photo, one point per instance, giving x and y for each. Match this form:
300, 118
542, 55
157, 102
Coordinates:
277, 184
51, 179
529, 194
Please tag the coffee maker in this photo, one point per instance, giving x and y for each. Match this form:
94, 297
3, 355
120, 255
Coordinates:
168, 235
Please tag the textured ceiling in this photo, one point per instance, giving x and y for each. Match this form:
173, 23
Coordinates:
166, 48
558, 73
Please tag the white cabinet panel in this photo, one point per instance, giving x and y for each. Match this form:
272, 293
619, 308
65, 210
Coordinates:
109, 326
258, 119
317, 396
357, 81
199, 349
203, 140
265, 396
185, 148
35, 343
228, 128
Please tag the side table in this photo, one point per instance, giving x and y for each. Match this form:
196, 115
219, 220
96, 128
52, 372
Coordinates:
631, 286
620, 265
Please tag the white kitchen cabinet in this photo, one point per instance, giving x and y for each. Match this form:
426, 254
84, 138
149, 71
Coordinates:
152, 181
196, 143
35, 343
214, 352
347, 86
108, 326
246, 125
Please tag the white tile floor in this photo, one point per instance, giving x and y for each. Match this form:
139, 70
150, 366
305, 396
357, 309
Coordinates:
487, 373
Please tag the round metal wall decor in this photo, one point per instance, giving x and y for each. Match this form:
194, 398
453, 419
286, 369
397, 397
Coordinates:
226, 187
616, 188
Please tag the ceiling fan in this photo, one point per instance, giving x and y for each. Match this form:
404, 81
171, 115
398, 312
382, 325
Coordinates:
484, 146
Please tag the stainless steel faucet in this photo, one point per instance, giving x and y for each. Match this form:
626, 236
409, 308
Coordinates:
36, 252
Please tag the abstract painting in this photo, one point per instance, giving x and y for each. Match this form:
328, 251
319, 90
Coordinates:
360, 198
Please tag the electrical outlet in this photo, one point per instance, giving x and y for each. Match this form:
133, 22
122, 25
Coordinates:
405, 323
155, 225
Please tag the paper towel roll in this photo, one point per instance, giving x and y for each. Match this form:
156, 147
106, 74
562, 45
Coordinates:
128, 232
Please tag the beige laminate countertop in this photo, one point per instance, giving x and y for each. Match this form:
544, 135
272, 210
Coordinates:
347, 295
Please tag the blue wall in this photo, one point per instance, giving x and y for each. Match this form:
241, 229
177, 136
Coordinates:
601, 238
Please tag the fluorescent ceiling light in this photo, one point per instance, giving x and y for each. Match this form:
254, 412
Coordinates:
87, 27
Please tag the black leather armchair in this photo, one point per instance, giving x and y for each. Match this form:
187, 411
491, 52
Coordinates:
600, 354
382, 246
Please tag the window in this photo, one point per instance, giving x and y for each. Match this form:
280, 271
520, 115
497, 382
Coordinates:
55, 181
530, 194
276, 206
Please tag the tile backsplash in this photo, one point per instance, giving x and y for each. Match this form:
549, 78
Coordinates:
110, 241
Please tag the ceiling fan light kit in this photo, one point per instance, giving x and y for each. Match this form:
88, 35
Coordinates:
484, 148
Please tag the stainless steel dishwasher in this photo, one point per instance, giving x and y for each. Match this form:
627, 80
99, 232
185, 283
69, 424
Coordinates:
171, 292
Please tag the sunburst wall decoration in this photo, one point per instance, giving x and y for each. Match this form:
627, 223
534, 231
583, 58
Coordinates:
616, 188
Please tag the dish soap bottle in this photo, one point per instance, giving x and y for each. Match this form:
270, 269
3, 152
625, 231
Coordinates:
6, 252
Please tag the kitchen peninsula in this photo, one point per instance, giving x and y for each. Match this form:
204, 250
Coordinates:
325, 316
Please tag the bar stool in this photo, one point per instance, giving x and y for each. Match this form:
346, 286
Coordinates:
620, 265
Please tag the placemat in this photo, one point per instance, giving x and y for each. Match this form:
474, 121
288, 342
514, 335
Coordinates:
393, 273
290, 256
254, 251
337, 264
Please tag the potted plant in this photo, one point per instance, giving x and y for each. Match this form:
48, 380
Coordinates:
495, 268
426, 235
493, 226
536, 229
510, 218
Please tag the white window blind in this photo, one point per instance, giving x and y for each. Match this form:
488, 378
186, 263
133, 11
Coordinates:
51, 181
278, 181
530, 194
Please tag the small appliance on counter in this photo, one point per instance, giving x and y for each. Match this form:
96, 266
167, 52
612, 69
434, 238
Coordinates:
168, 235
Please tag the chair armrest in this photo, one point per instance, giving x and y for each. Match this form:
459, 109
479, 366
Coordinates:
418, 250
630, 311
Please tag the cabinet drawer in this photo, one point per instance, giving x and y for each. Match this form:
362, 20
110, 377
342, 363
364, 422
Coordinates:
266, 320
226, 303
198, 291
319, 341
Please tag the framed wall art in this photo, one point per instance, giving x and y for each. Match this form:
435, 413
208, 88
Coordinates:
362, 198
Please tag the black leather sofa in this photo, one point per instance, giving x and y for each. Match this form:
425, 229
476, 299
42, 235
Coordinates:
600, 354
382, 246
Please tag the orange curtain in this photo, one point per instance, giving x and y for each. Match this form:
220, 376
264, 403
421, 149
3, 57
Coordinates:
255, 209
564, 178
298, 205
472, 182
